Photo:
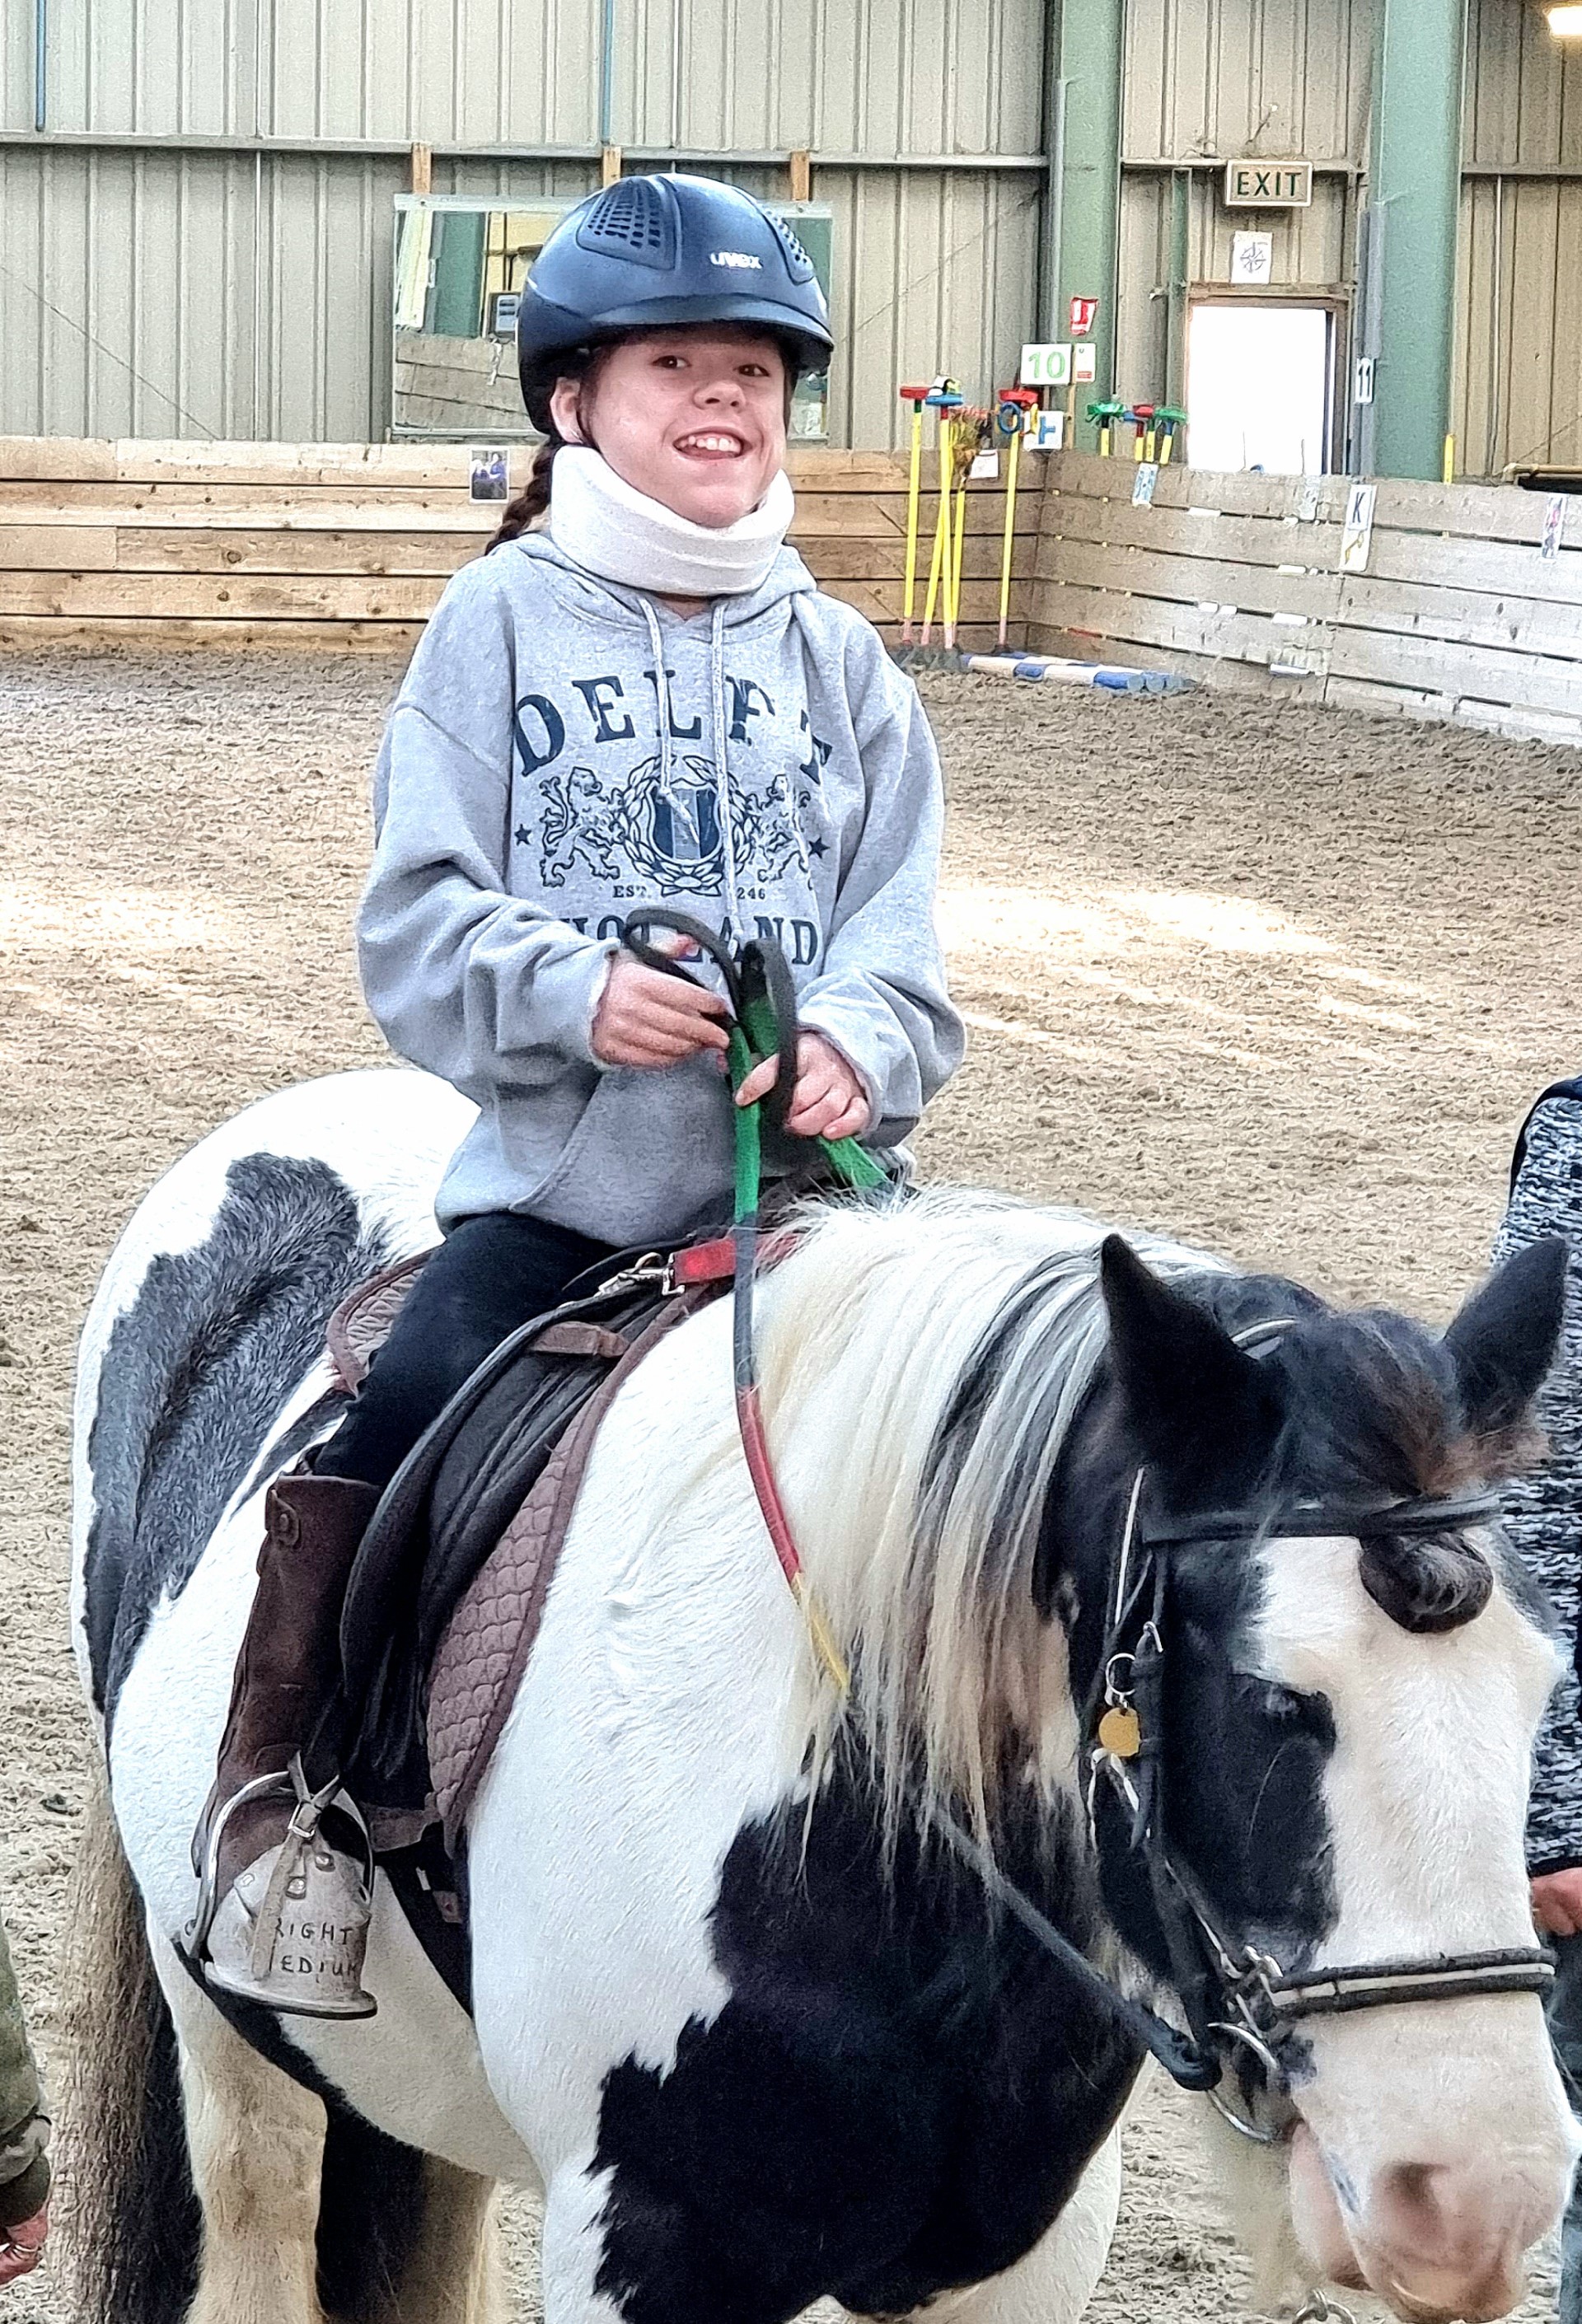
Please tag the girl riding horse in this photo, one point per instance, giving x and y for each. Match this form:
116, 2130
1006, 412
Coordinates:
639, 698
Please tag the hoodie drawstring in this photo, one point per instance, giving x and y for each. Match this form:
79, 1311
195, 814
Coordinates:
662, 686
722, 780
679, 805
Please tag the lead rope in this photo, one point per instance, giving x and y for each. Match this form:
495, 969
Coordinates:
856, 1169
1176, 2052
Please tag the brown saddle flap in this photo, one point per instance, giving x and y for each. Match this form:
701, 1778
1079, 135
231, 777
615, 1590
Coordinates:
484, 1648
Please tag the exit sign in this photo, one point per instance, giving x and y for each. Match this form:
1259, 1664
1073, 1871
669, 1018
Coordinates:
1268, 185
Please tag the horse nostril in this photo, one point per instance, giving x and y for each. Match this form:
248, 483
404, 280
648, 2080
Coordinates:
1410, 2187
1421, 2212
1410, 2195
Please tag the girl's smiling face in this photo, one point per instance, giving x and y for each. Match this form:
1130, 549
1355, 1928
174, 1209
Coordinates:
693, 418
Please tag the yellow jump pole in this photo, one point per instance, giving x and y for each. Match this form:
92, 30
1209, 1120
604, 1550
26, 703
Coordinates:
966, 438
936, 560
945, 399
917, 397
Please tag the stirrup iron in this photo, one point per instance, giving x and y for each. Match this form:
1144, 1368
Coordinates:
291, 1930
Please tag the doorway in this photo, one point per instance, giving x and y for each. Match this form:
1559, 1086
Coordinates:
1260, 385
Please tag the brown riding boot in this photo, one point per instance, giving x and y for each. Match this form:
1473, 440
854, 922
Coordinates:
282, 1913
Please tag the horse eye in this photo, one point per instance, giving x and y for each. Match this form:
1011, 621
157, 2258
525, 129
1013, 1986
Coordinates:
1284, 1701
1287, 1706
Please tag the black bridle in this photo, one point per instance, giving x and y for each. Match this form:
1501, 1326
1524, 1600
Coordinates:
1242, 2006
1239, 2002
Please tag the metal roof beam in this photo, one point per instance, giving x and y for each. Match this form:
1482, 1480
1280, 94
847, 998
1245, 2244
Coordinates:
379, 148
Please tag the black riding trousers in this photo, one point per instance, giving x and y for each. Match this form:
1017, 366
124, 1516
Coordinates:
490, 1274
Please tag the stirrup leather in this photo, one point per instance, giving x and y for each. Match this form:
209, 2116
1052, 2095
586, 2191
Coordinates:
291, 1930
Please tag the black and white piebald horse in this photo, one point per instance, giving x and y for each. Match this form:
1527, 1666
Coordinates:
771, 1999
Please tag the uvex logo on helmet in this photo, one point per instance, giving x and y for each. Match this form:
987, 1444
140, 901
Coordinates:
734, 258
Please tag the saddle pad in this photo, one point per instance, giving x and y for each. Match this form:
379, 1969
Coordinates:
360, 1326
484, 1650
458, 1490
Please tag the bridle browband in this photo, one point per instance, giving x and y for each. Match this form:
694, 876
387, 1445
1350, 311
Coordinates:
1242, 2006
1425, 1514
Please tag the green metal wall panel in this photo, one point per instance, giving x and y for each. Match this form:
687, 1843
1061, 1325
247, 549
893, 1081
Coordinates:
1226, 77
253, 290
1519, 342
849, 76
262, 280
251, 294
1088, 79
1414, 195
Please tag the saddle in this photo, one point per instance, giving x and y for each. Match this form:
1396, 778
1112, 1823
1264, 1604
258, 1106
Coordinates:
450, 1585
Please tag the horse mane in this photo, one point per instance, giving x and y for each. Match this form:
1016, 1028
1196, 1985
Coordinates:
922, 1366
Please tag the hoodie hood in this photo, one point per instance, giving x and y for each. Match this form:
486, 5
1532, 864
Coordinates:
608, 602
609, 527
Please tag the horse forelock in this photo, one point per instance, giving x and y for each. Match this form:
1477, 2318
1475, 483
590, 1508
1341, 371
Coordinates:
1373, 1412
930, 1361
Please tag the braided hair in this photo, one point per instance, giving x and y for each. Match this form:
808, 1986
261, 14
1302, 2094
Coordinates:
533, 500
581, 364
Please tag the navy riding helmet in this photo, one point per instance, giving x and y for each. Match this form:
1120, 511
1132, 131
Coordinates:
651, 251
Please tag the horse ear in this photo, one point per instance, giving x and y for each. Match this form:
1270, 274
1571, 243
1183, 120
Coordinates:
1503, 1341
1203, 1406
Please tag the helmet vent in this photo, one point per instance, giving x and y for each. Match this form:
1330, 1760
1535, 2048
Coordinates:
634, 221
796, 258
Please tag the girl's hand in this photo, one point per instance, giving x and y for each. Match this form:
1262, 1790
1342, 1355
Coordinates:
645, 1018
829, 1099
21, 2247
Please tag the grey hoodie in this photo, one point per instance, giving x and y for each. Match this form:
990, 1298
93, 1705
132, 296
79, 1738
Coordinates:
562, 751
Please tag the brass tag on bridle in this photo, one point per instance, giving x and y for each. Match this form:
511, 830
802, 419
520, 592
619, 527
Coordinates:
1120, 1731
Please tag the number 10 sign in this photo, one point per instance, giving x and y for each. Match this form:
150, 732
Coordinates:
1047, 363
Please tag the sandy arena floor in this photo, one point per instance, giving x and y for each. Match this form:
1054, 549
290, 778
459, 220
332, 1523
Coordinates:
1281, 980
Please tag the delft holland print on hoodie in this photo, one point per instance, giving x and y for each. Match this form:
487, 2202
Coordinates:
563, 752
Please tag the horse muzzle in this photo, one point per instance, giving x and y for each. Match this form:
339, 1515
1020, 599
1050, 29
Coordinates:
1434, 2241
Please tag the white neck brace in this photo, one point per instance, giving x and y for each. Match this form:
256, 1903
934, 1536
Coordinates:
605, 526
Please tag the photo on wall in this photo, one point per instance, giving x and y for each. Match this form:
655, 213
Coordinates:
489, 473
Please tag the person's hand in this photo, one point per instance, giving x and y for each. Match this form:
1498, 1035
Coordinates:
1557, 1901
828, 1101
19, 2246
645, 1018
